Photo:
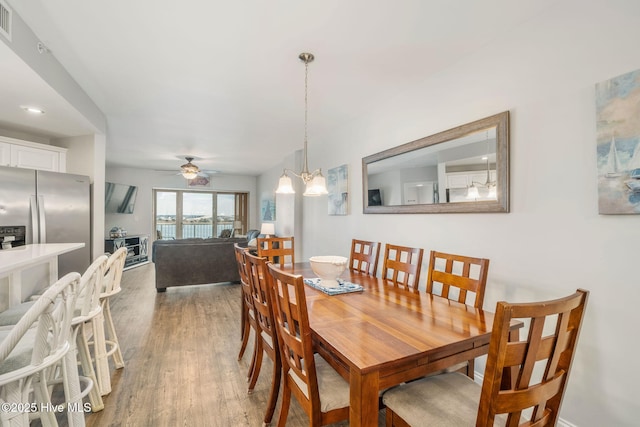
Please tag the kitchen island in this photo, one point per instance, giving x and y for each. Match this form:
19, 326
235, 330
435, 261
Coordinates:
15, 260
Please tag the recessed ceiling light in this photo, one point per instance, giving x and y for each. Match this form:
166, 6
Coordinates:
33, 110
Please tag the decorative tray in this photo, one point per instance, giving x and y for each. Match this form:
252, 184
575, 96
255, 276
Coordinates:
343, 288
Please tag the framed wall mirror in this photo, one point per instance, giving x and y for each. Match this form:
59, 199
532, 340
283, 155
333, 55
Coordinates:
464, 169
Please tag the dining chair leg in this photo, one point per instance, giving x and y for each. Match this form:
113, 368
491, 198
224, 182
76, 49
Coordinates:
284, 409
275, 389
254, 356
257, 365
245, 337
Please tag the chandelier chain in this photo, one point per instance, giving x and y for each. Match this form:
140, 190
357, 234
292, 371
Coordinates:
306, 78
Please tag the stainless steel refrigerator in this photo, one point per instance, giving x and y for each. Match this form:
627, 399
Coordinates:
54, 207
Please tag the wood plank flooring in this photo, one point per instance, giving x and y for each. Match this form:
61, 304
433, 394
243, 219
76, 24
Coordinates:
180, 350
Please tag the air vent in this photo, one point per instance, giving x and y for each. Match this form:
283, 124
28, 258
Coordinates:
5, 20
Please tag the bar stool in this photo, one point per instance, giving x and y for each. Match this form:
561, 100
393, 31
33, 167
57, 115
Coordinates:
87, 307
105, 340
32, 348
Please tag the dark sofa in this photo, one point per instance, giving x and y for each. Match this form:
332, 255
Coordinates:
195, 261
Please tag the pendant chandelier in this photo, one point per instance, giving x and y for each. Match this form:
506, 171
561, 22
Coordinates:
472, 192
315, 183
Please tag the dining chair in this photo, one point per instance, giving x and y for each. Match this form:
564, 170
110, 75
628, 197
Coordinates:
249, 312
268, 339
105, 340
524, 380
31, 349
459, 278
402, 265
364, 256
244, 279
320, 390
278, 250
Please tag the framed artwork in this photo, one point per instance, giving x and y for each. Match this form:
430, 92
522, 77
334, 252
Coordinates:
337, 186
618, 144
268, 209
199, 181
375, 197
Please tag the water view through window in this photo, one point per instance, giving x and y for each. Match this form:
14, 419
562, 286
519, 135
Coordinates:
184, 214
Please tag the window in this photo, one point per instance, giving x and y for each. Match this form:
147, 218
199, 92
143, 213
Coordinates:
183, 214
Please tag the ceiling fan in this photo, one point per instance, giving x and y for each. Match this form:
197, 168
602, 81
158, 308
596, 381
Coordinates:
189, 170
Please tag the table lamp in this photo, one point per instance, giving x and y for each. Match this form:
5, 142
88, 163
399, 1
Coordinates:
268, 229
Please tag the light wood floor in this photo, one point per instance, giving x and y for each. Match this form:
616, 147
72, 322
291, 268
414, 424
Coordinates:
181, 369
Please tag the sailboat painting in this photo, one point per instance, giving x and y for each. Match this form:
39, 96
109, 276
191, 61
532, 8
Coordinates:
618, 144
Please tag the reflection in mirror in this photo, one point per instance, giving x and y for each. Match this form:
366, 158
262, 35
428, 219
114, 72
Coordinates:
464, 169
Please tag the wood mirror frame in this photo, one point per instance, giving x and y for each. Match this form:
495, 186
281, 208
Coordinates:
462, 154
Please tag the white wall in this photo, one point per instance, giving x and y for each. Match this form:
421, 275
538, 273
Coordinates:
553, 240
288, 206
141, 221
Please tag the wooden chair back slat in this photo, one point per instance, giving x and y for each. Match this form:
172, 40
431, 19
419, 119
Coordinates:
296, 347
457, 274
532, 372
241, 263
257, 272
402, 265
278, 250
364, 256
244, 276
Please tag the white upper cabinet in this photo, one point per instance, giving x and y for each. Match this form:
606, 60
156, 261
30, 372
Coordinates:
25, 154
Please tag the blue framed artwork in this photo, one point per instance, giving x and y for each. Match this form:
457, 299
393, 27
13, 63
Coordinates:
618, 144
338, 189
268, 209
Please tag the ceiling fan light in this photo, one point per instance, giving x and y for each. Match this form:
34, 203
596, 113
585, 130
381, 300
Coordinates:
189, 170
189, 174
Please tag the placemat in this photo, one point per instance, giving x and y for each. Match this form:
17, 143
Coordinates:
343, 288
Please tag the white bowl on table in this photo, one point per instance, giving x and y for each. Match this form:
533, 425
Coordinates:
328, 268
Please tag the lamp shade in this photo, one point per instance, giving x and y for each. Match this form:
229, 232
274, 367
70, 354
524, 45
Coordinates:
268, 229
316, 187
473, 193
285, 185
492, 192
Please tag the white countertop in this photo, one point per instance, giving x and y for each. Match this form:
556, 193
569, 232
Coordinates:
28, 255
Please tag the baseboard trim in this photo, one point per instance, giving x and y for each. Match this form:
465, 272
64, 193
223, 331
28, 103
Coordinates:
478, 378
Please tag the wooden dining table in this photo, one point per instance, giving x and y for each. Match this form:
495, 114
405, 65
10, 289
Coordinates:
386, 335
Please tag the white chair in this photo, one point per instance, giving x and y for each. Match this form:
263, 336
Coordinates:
105, 340
38, 341
86, 309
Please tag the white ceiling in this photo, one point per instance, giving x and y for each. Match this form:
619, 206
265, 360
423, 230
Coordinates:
221, 81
